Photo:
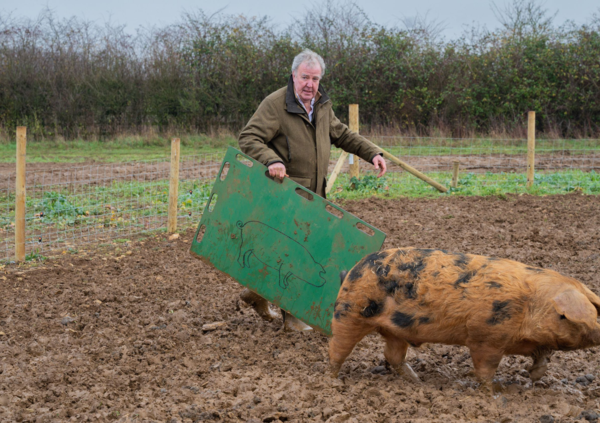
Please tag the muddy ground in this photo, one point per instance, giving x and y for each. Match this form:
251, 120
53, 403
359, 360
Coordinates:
115, 333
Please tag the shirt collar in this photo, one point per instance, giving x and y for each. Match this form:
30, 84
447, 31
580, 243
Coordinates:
312, 100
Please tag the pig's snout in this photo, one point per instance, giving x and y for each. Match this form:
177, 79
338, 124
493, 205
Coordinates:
594, 336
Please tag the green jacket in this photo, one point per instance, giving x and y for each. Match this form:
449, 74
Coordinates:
280, 131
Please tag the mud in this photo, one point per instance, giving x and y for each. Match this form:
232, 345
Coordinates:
95, 173
115, 334
70, 175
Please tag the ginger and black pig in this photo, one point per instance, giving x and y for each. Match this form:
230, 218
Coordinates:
493, 306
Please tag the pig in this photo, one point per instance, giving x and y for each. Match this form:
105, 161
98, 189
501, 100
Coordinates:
493, 306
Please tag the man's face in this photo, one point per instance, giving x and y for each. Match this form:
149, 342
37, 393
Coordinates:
306, 81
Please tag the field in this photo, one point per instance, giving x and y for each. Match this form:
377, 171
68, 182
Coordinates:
92, 192
114, 332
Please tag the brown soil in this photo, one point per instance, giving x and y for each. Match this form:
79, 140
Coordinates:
92, 174
117, 334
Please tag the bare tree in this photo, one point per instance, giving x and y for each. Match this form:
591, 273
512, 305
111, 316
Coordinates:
595, 20
423, 28
332, 21
521, 17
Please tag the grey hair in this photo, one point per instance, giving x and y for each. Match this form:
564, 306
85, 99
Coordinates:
310, 58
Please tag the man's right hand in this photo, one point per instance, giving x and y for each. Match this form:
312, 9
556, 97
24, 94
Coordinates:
277, 170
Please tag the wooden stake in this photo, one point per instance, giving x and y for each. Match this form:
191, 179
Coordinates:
336, 171
414, 171
173, 186
20, 194
455, 165
353, 125
530, 148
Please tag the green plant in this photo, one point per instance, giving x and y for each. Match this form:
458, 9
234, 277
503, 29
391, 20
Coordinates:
56, 205
368, 183
35, 255
476, 184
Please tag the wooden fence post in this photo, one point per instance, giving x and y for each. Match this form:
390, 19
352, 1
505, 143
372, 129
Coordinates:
20, 194
455, 165
414, 171
336, 171
353, 125
173, 186
530, 148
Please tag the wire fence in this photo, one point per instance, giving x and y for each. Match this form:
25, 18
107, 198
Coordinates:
77, 204
74, 205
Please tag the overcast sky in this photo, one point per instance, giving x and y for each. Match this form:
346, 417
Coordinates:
455, 15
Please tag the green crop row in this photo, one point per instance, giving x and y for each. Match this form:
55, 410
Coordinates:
129, 206
470, 184
122, 203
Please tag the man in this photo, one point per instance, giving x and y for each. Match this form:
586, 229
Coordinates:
291, 133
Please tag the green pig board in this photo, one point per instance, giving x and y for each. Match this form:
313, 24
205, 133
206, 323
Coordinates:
287, 248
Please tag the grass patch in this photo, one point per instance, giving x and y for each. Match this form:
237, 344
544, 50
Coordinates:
123, 149
130, 148
35, 255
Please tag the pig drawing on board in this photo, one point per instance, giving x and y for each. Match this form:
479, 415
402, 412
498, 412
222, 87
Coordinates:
493, 306
276, 250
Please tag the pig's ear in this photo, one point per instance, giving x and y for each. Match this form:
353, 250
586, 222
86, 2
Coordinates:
575, 306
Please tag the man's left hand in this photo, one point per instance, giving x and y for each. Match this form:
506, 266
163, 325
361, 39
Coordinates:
379, 163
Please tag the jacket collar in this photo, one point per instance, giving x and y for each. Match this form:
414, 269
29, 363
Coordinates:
292, 103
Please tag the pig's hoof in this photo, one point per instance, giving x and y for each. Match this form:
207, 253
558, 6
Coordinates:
267, 314
259, 304
486, 387
334, 370
407, 371
291, 323
537, 373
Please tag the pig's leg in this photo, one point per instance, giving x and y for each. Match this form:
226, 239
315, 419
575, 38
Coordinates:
260, 305
395, 354
344, 339
292, 323
541, 358
485, 360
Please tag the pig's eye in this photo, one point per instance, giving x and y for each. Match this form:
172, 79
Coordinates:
562, 317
